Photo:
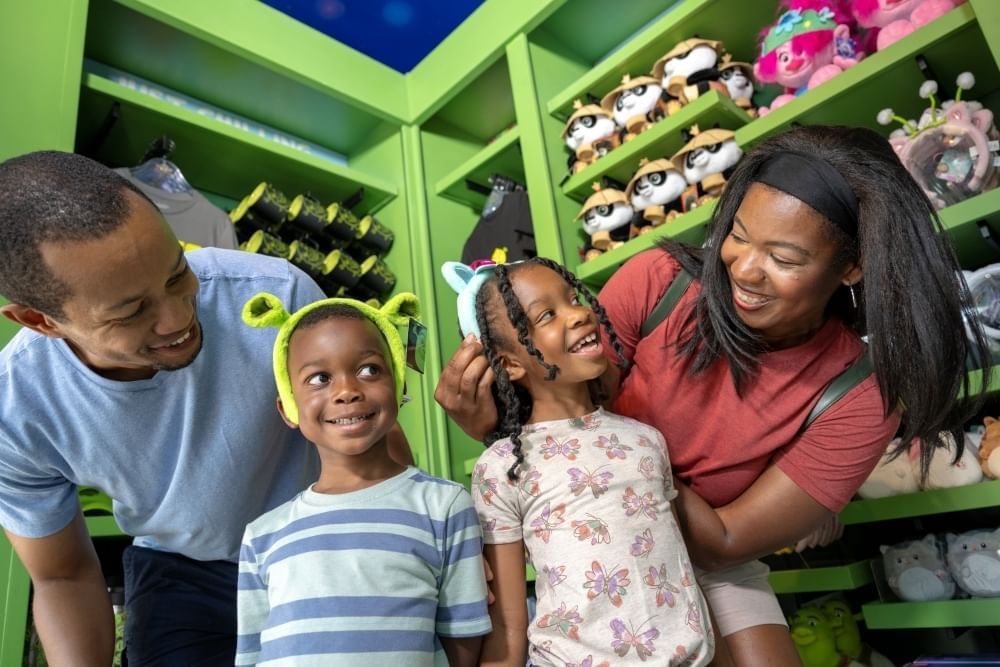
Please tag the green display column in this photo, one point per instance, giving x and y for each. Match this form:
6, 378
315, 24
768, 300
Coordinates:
41, 47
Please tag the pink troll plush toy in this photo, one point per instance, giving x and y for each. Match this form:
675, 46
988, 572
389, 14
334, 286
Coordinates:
895, 19
808, 45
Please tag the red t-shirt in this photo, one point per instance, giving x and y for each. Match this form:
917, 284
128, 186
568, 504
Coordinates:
719, 443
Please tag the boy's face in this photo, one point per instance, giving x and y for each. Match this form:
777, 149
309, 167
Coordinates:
132, 308
343, 385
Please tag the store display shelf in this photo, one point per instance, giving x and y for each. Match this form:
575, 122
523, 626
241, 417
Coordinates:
689, 228
710, 19
661, 140
502, 156
973, 612
938, 501
890, 77
822, 579
961, 222
976, 382
103, 526
214, 156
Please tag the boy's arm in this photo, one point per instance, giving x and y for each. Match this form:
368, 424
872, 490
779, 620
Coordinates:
72, 609
507, 645
462, 651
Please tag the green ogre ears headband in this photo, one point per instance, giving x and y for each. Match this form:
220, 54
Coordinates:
266, 310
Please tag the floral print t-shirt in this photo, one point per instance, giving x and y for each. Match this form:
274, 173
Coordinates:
614, 582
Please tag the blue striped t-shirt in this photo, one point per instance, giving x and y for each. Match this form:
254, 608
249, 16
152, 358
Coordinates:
373, 575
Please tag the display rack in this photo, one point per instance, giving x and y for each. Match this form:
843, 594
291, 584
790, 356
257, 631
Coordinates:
923, 503
970, 613
465, 183
822, 579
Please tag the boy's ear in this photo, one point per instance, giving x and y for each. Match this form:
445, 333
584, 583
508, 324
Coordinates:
284, 417
30, 318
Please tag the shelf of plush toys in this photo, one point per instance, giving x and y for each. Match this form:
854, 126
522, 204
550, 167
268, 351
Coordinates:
822, 579
943, 48
500, 156
922, 503
708, 18
663, 139
203, 140
967, 613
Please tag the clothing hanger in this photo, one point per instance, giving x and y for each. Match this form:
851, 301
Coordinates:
157, 171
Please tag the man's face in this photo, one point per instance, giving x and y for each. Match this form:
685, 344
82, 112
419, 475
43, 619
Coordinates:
131, 309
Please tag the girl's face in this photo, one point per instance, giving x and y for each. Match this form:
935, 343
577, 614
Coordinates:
562, 328
343, 385
781, 266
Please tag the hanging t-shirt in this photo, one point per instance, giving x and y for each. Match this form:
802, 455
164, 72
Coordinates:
193, 218
508, 229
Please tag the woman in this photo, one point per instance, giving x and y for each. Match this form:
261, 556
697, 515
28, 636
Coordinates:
820, 236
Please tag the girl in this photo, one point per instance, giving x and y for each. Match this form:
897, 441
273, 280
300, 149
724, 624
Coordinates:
585, 492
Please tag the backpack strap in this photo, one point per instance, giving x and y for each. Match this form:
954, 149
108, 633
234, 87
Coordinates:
840, 385
666, 303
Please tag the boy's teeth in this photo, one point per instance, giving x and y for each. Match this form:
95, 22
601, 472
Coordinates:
351, 420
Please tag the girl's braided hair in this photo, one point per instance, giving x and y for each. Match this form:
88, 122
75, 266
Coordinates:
513, 402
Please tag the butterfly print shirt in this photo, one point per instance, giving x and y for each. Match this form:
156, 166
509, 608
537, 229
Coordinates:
592, 504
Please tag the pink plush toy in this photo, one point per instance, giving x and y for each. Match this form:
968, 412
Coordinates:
895, 19
809, 45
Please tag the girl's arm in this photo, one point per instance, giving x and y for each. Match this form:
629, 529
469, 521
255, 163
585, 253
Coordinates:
507, 645
770, 515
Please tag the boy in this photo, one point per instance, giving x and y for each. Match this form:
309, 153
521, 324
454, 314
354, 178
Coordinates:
375, 561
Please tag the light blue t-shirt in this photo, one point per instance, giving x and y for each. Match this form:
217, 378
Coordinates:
374, 576
189, 456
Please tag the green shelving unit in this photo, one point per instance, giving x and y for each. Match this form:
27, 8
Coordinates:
502, 156
661, 140
822, 579
103, 526
689, 227
970, 613
937, 501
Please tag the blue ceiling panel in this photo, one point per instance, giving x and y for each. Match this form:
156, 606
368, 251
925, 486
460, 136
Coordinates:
398, 33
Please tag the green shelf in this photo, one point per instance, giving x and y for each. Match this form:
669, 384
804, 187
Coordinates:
689, 228
973, 612
216, 157
891, 77
502, 156
938, 501
661, 140
103, 526
960, 222
822, 579
710, 19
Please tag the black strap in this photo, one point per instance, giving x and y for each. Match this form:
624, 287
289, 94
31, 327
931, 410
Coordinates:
840, 385
666, 303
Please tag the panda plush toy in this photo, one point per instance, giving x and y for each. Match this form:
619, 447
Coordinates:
654, 193
738, 79
706, 161
590, 133
690, 69
607, 219
635, 104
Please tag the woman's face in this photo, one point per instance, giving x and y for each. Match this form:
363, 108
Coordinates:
781, 266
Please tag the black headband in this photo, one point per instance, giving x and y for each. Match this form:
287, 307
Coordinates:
816, 182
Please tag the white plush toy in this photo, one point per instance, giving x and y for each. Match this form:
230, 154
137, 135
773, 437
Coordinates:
653, 188
636, 104
590, 132
974, 561
916, 571
902, 474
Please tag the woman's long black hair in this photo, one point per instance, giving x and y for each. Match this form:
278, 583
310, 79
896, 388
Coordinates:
910, 302
513, 402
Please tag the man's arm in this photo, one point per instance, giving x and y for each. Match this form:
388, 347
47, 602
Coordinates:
72, 609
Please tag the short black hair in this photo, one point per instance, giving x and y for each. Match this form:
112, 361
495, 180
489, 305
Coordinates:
52, 196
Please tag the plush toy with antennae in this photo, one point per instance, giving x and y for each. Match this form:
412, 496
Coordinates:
607, 217
590, 132
952, 151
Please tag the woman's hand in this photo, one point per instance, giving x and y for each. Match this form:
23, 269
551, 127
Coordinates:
463, 390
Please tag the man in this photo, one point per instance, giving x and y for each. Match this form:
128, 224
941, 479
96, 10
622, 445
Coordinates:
134, 374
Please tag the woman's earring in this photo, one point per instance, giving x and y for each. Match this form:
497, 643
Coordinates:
854, 299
